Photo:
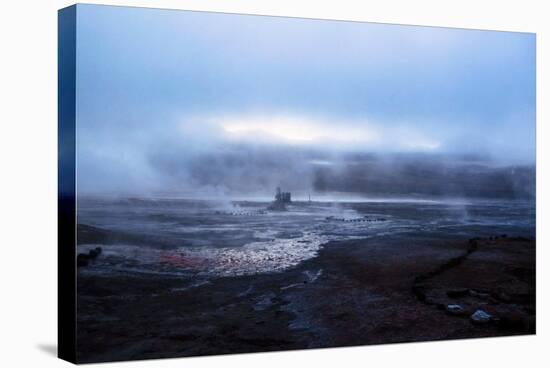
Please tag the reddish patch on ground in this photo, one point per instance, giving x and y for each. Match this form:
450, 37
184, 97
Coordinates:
181, 260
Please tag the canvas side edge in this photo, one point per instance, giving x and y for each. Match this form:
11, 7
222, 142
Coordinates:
66, 184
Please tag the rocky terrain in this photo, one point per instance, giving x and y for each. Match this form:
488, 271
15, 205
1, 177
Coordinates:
355, 292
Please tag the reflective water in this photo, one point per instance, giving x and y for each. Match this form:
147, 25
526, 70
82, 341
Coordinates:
222, 238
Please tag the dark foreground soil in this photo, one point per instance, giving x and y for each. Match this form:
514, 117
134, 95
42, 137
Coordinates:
354, 293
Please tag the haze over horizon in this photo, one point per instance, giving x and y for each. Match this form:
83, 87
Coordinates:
193, 102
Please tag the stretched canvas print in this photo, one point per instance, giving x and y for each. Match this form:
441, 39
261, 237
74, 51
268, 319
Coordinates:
237, 183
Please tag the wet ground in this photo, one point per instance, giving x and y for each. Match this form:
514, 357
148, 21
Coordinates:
320, 277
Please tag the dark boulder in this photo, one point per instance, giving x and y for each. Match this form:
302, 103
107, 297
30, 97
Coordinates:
93, 253
82, 260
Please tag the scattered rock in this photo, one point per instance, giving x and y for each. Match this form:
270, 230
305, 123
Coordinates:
479, 294
456, 310
503, 296
481, 317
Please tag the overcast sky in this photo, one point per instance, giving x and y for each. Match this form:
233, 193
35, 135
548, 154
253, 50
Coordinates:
157, 85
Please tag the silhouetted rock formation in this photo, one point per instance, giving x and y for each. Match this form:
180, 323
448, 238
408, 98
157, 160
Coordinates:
83, 259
